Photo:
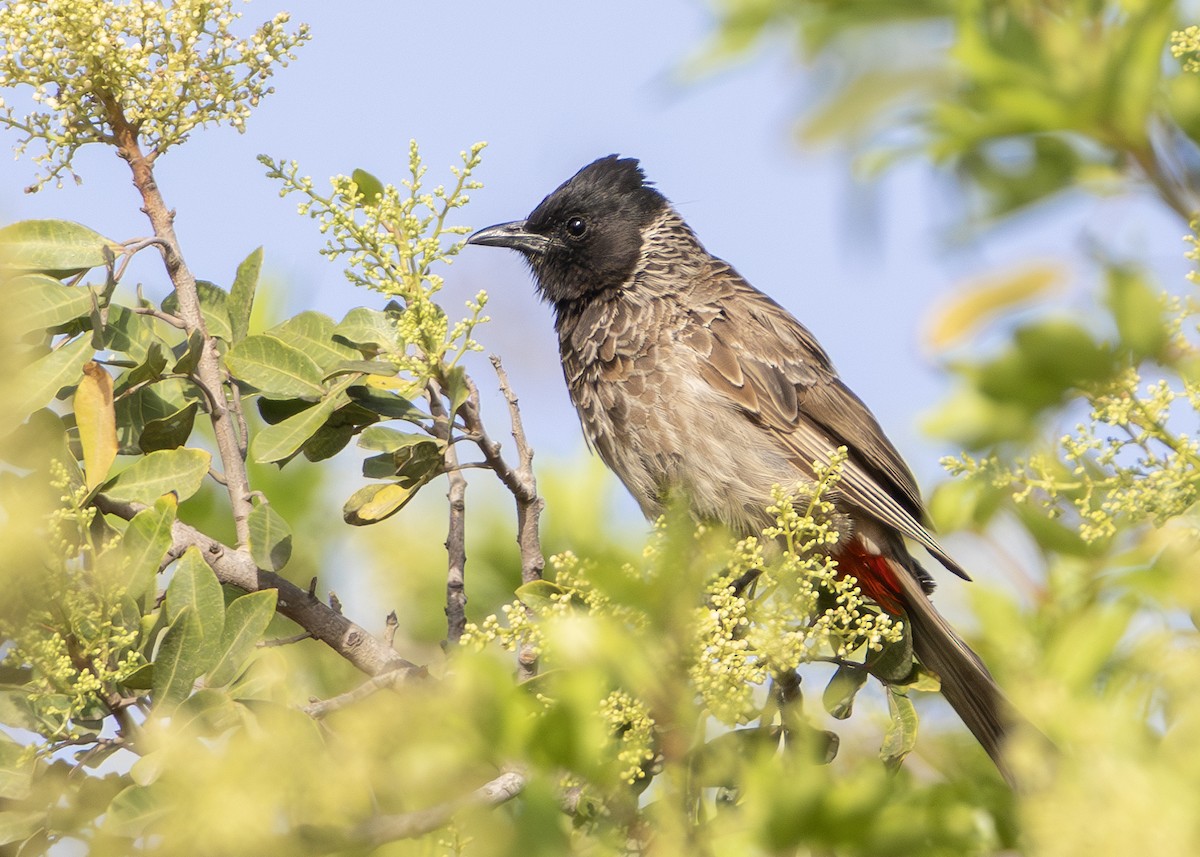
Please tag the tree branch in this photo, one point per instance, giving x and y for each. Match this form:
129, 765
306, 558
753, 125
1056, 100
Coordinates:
388, 828
319, 708
236, 568
208, 370
523, 486
456, 531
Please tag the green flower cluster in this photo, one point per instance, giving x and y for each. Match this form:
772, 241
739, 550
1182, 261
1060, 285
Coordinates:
390, 240
163, 69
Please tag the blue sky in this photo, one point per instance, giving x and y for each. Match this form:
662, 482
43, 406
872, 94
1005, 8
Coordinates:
551, 86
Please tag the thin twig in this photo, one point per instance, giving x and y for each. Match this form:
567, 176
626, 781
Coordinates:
166, 317
285, 641
236, 568
456, 544
390, 626
319, 708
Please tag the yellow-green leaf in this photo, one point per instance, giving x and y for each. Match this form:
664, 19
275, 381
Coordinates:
976, 304
96, 418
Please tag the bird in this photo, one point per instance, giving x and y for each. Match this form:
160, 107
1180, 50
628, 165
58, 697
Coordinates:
689, 381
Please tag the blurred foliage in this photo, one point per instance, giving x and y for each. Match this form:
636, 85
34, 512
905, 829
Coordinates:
146, 707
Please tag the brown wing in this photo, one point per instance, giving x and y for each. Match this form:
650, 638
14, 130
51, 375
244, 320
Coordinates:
779, 375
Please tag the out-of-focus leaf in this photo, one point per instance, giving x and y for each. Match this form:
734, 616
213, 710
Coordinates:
246, 620
456, 388
719, 763
59, 248
134, 811
901, 735
96, 419
270, 538
276, 370
38, 302
241, 295
894, 662
540, 593
38, 383
312, 333
19, 824
174, 470
974, 305
1138, 312
16, 770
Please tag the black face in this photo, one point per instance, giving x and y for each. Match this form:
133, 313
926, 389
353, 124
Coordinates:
584, 238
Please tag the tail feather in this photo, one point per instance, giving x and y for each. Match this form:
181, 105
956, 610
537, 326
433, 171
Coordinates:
966, 682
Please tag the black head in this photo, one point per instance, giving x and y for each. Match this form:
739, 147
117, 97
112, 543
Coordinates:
584, 238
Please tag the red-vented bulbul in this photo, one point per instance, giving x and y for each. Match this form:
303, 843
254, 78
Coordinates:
688, 379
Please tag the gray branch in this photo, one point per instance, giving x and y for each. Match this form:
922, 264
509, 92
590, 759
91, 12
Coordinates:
235, 567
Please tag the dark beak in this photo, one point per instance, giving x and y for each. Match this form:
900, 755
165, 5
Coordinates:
512, 235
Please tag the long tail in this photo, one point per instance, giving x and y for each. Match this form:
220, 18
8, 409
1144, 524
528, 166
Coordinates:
966, 682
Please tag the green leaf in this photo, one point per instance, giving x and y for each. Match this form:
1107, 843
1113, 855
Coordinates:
177, 665
140, 679
312, 333
386, 404
901, 735
169, 432
149, 371
38, 383
145, 542
283, 440
38, 302
270, 538
541, 593
371, 329
894, 662
246, 620
384, 439
365, 367
129, 332
841, 690
195, 587
329, 440
456, 388
96, 420
241, 295
56, 247
138, 409
275, 369
214, 306
373, 503
175, 470
370, 187
193, 350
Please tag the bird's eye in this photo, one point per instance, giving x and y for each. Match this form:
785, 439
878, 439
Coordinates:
576, 226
